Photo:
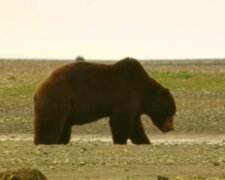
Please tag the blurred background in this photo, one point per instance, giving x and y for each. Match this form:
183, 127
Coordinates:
99, 29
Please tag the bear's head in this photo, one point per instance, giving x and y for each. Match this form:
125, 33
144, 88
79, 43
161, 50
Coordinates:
161, 109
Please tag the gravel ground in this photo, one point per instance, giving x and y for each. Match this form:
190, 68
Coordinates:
102, 160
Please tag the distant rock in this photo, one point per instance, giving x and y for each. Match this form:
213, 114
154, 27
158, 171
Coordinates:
80, 58
22, 174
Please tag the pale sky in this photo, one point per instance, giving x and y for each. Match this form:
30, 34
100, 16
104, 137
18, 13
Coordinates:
112, 29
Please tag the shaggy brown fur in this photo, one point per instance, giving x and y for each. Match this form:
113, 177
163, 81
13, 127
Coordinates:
83, 92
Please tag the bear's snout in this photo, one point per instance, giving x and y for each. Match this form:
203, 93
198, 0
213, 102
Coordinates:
168, 125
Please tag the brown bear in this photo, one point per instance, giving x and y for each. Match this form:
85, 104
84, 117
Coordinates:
83, 92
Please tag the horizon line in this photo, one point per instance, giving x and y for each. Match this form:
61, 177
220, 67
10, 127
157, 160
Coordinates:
113, 59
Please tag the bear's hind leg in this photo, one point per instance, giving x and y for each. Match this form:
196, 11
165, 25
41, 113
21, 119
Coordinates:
46, 134
66, 134
138, 135
48, 129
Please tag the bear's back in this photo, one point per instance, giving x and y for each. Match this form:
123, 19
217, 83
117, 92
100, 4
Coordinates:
85, 79
127, 70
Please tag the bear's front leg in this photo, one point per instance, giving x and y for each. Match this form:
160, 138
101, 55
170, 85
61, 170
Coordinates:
138, 135
121, 122
120, 130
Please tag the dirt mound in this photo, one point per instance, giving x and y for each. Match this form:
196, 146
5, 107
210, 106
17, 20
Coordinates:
22, 174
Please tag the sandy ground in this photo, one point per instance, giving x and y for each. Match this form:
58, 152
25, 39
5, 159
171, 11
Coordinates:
195, 150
